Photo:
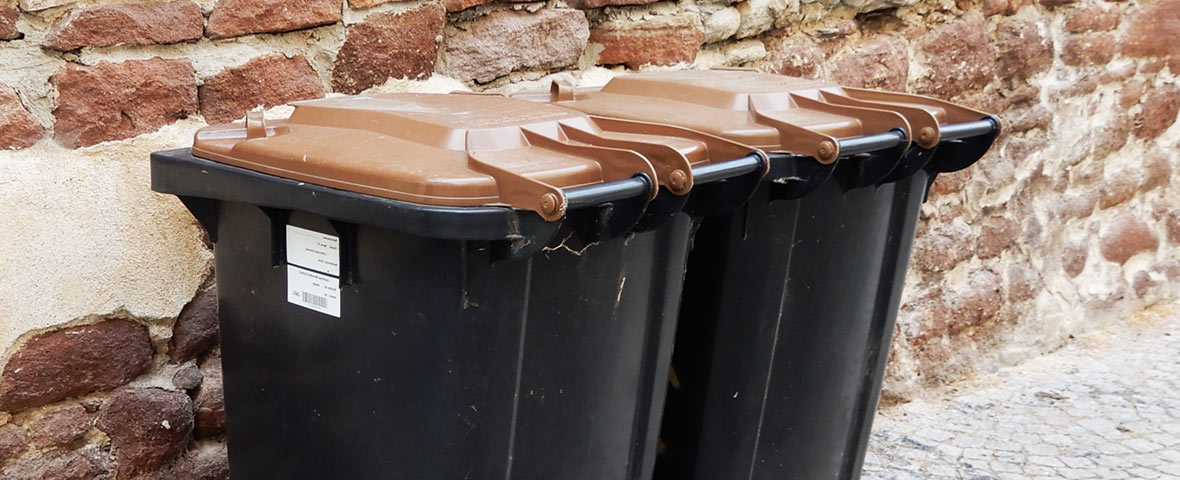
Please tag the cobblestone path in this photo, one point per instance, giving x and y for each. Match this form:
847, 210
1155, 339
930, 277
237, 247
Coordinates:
1107, 406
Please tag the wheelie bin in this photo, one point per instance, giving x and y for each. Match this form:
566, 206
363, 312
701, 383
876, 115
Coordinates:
789, 304
448, 286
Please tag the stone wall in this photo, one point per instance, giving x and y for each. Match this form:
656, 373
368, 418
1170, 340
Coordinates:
108, 359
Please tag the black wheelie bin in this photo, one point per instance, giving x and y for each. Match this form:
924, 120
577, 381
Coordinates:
448, 286
789, 304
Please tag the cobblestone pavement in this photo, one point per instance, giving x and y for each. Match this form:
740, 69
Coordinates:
1107, 406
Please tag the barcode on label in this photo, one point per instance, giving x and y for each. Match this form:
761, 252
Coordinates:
315, 300
314, 290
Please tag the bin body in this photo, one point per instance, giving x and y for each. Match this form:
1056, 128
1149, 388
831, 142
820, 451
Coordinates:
789, 304
780, 367
446, 363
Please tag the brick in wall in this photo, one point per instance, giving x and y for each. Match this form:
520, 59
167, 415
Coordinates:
74, 361
389, 45
879, 61
1154, 30
1021, 49
643, 44
267, 81
506, 41
1125, 236
8, 16
960, 57
795, 56
112, 101
126, 24
232, 18
1158, 110
18, 128
149, 427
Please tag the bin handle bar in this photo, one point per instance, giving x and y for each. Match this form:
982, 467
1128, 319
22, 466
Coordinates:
968, 129
607, 192
728, 169
872, 143
642, 184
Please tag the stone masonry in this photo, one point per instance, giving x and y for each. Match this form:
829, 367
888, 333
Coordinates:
109, 367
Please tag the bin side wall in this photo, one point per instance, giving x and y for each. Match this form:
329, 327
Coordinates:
1069, 224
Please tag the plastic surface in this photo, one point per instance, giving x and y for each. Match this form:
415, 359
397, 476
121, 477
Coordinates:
470, 341
460, 150
789, 303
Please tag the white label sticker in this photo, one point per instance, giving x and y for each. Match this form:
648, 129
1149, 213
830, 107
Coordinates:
313, 290
313, 250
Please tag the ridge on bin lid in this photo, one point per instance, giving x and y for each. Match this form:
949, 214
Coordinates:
772, 112
457, 150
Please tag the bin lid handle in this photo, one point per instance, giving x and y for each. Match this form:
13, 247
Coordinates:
517, 190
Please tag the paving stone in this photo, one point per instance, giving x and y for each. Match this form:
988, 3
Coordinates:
1101, 412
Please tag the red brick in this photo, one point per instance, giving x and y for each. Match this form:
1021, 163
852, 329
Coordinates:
1158, 111
1092, 19
1158, 170
149, 427
1173, 227
960, 57
1118, 188
8, 16
1088, 49
506, 41
1153, 30
795, 56
643, 45
459, 5
231, 18
1018, 149
1112, 136
1142, 283
977, 302
267, 81
1075, 205
948, 183
357, 4
880, 62
196, 327
1125, 236
210, 401
943, 247
85, 463
1021, 49
126, 24
1020, 120
994, 7
389, 45
1082, 87
210, 463
12, 442
188, 377
59, 426
996, 235
1132, 92
18, 128
112, 101
1117, 74
1073, 258
74, 361
588, 4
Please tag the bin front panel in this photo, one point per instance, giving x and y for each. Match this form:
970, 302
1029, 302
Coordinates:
445, 363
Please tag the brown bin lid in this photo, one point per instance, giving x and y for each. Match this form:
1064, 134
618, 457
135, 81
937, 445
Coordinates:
770, 112
460, 149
